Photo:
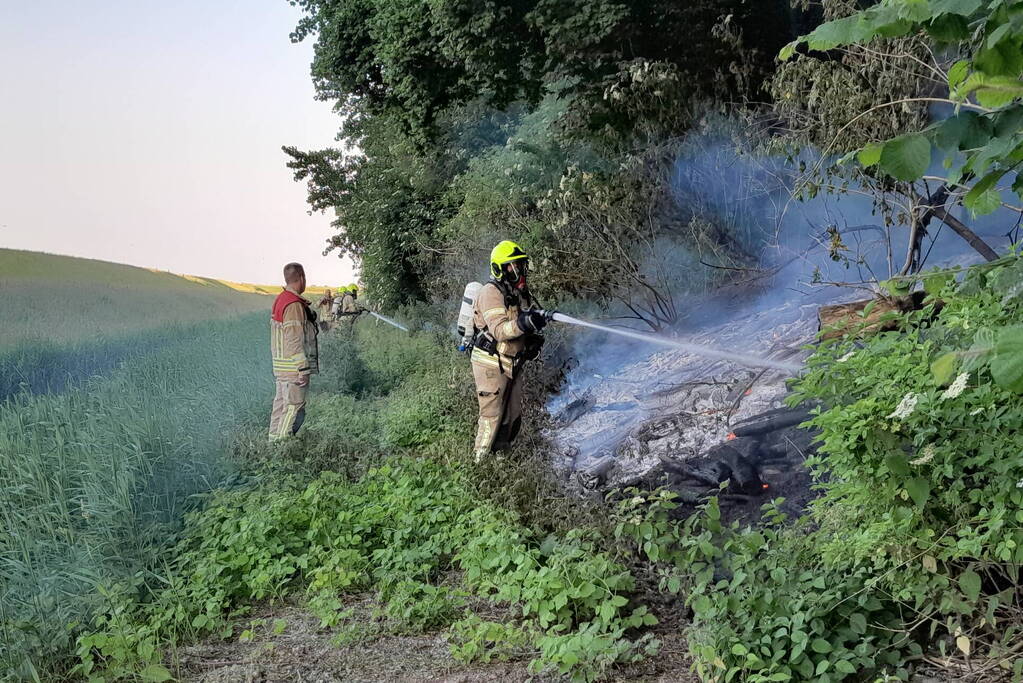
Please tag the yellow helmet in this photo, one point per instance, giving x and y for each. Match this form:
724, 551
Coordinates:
505, 252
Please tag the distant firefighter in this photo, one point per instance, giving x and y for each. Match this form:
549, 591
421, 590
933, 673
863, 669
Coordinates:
324, 305
339, 297
293, 348
348, 305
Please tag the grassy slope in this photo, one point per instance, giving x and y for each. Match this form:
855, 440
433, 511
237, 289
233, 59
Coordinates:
68, 299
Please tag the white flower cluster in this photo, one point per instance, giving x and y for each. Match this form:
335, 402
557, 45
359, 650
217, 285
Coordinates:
905, 407
956, 387
926, 455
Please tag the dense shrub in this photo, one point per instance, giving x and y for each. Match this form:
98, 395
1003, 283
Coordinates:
917, 540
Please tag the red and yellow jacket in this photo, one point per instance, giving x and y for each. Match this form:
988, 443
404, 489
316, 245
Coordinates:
293, 345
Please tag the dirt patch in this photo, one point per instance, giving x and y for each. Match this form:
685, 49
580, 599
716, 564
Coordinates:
288, 644
285, 642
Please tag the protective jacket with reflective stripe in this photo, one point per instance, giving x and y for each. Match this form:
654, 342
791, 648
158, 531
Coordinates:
348, 305
497, 313
293, 345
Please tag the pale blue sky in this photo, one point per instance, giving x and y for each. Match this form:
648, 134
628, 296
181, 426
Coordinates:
149, 132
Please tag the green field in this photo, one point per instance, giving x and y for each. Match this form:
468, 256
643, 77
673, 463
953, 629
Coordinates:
67, 299
122, 395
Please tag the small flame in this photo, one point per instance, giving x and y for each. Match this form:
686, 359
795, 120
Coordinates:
764, 486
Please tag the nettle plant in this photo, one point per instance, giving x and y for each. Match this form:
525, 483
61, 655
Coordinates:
982, 140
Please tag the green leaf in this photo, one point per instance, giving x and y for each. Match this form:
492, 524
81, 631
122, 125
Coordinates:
1009, 282
969, 583
858, 623
895, 287
155, 673
980, 352
739, 650
996, 36
982, 201
897, 464
869, 155
1008, 122
914, 10
805, 666
821, 646
788, 51
943, 368
839, 32
992, 91
919, 489
844, 666
948, 28
1007, 360
934, 284
958, 73
965, 130
963, 8
906, 157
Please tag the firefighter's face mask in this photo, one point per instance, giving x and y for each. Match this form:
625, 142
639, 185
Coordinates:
515, 272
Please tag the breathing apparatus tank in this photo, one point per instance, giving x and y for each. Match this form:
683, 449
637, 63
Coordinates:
465, 315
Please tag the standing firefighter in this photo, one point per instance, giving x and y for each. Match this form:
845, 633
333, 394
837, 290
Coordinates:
507, 324
348, 305
324, 305
294, 352
339, 298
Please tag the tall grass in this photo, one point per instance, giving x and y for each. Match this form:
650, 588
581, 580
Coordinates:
43, 367
94, 480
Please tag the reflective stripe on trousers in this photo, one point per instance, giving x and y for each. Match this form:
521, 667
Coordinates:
288, 412
500, 405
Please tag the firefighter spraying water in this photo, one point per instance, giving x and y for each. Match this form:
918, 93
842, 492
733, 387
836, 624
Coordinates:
499, 324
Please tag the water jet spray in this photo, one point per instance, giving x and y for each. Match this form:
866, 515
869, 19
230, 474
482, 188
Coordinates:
696, 349
388, 321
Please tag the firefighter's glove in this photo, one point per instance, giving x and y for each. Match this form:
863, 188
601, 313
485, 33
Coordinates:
532, 321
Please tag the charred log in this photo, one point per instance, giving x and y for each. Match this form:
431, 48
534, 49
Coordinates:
771, 421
